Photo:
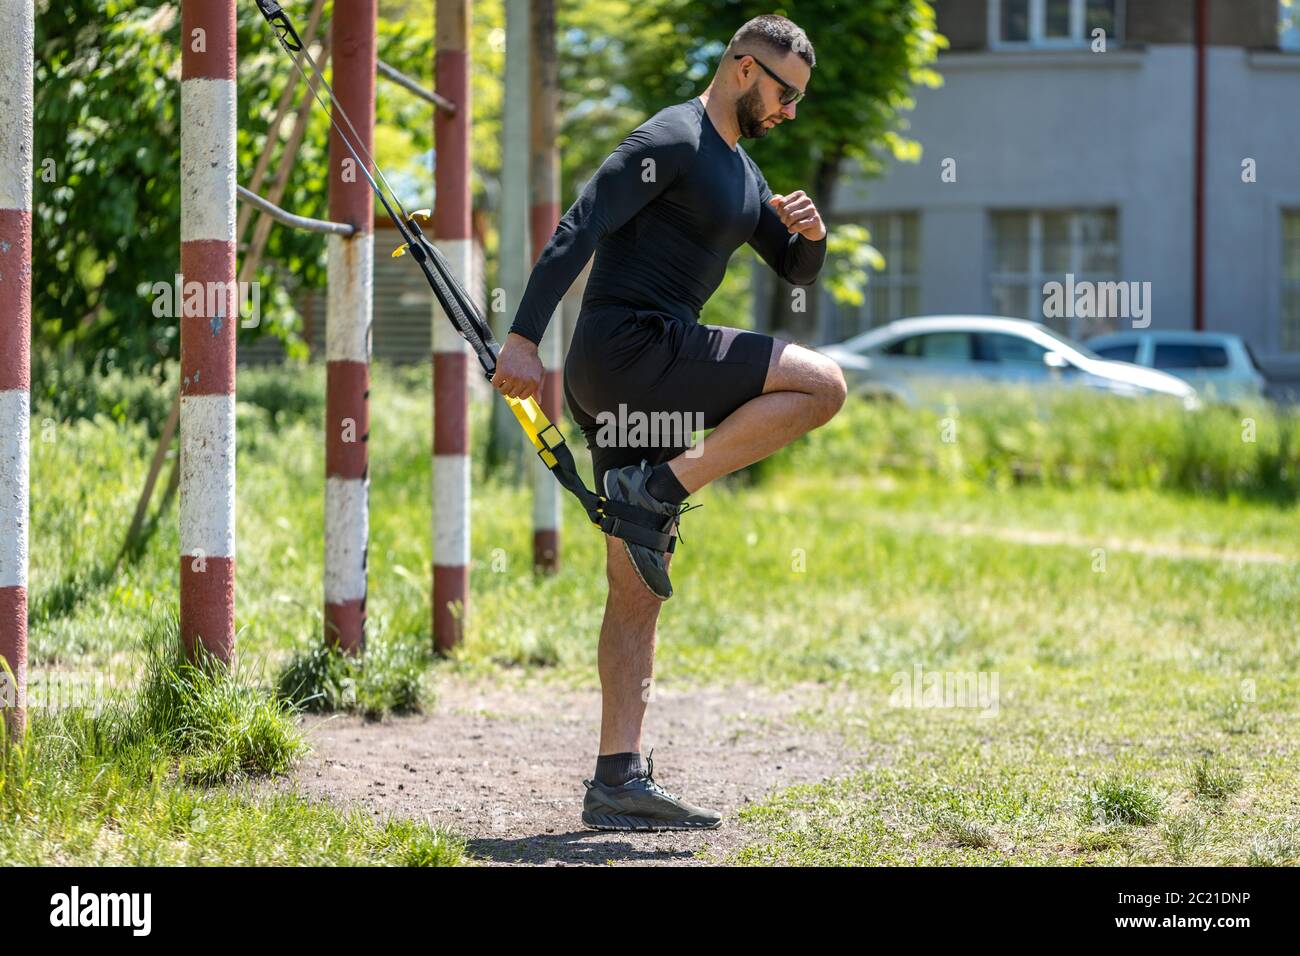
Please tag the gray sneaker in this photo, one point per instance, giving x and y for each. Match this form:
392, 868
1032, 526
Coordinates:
641, 804
628, 484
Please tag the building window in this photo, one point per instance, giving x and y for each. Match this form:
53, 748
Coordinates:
1033, 248
895, 291
1052, 23
1288, 28
1291, 280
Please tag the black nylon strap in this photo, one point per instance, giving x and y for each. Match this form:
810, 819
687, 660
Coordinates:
646, 519
638, 534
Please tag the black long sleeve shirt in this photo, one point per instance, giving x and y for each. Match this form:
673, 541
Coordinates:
663, 215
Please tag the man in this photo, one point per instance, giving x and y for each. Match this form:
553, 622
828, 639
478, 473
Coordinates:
663, 215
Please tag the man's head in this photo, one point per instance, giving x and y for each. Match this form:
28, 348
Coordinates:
766, 68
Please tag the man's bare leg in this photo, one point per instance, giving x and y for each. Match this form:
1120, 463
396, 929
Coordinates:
804, 389
626, 654
626, 660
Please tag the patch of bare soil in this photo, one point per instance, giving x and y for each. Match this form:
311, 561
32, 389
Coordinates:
503, 765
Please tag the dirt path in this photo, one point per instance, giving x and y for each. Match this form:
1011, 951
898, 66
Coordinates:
503, 766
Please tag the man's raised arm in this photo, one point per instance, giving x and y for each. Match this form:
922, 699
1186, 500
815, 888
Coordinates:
790, 235
635, 173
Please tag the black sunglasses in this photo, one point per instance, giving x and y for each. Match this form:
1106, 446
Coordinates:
789, 94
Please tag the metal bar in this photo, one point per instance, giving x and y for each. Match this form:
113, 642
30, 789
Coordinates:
289, 219
406, 83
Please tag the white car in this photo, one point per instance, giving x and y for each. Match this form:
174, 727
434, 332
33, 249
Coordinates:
912, 359
1217, 364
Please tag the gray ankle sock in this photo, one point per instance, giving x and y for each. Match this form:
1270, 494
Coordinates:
614, 770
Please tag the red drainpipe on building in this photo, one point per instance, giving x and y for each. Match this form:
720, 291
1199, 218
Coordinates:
1198, 232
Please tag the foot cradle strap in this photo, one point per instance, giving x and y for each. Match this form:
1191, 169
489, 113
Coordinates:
615, 518
636, 525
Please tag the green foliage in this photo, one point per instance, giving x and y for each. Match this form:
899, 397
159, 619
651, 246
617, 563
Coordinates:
870, 53
1008, 436
1279, 847
1210, 780
388, 679
218, 725
849, 254
1119, 799
72, 793
106, 224
64, 390
620, 62
287, 393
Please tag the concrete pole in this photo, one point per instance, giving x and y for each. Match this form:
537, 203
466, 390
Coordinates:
349, 312
207, 421
451, 353
17, 39
510, 447
544, 214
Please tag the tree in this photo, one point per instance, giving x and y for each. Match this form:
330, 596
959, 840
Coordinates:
870, 54
107, 178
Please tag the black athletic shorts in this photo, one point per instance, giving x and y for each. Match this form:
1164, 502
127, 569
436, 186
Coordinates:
638, 382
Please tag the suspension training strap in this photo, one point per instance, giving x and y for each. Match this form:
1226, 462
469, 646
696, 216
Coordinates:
612, 517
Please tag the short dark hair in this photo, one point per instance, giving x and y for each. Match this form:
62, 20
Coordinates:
777, 34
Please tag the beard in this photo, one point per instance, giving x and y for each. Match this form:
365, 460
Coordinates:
749, 114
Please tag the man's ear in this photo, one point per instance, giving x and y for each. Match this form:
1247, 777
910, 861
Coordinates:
744, 70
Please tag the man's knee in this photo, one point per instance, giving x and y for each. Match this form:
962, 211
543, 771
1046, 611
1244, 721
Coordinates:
797, 368
830, 390
827, 386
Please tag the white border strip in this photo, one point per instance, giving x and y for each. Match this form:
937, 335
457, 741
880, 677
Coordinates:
17, 43
208, 139
349, 309
347, 530
450, 501
15, 446
208, 475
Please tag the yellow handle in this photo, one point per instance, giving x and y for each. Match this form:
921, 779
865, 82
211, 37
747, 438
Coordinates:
426, 215
534, 422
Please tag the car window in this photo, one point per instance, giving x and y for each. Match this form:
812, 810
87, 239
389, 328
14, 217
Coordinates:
1118, 353
940, 346
1068, 343
998, 347
1174, 355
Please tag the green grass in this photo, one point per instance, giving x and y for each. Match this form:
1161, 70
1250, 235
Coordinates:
389, 679
152, 776
1145, 706
1069, 438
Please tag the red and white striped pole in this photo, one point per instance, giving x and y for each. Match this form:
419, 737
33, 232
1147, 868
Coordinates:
347, 332
17, 37
207, 426
544, 214
451, 355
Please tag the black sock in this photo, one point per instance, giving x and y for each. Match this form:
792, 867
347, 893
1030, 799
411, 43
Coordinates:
663, 484
614, 770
